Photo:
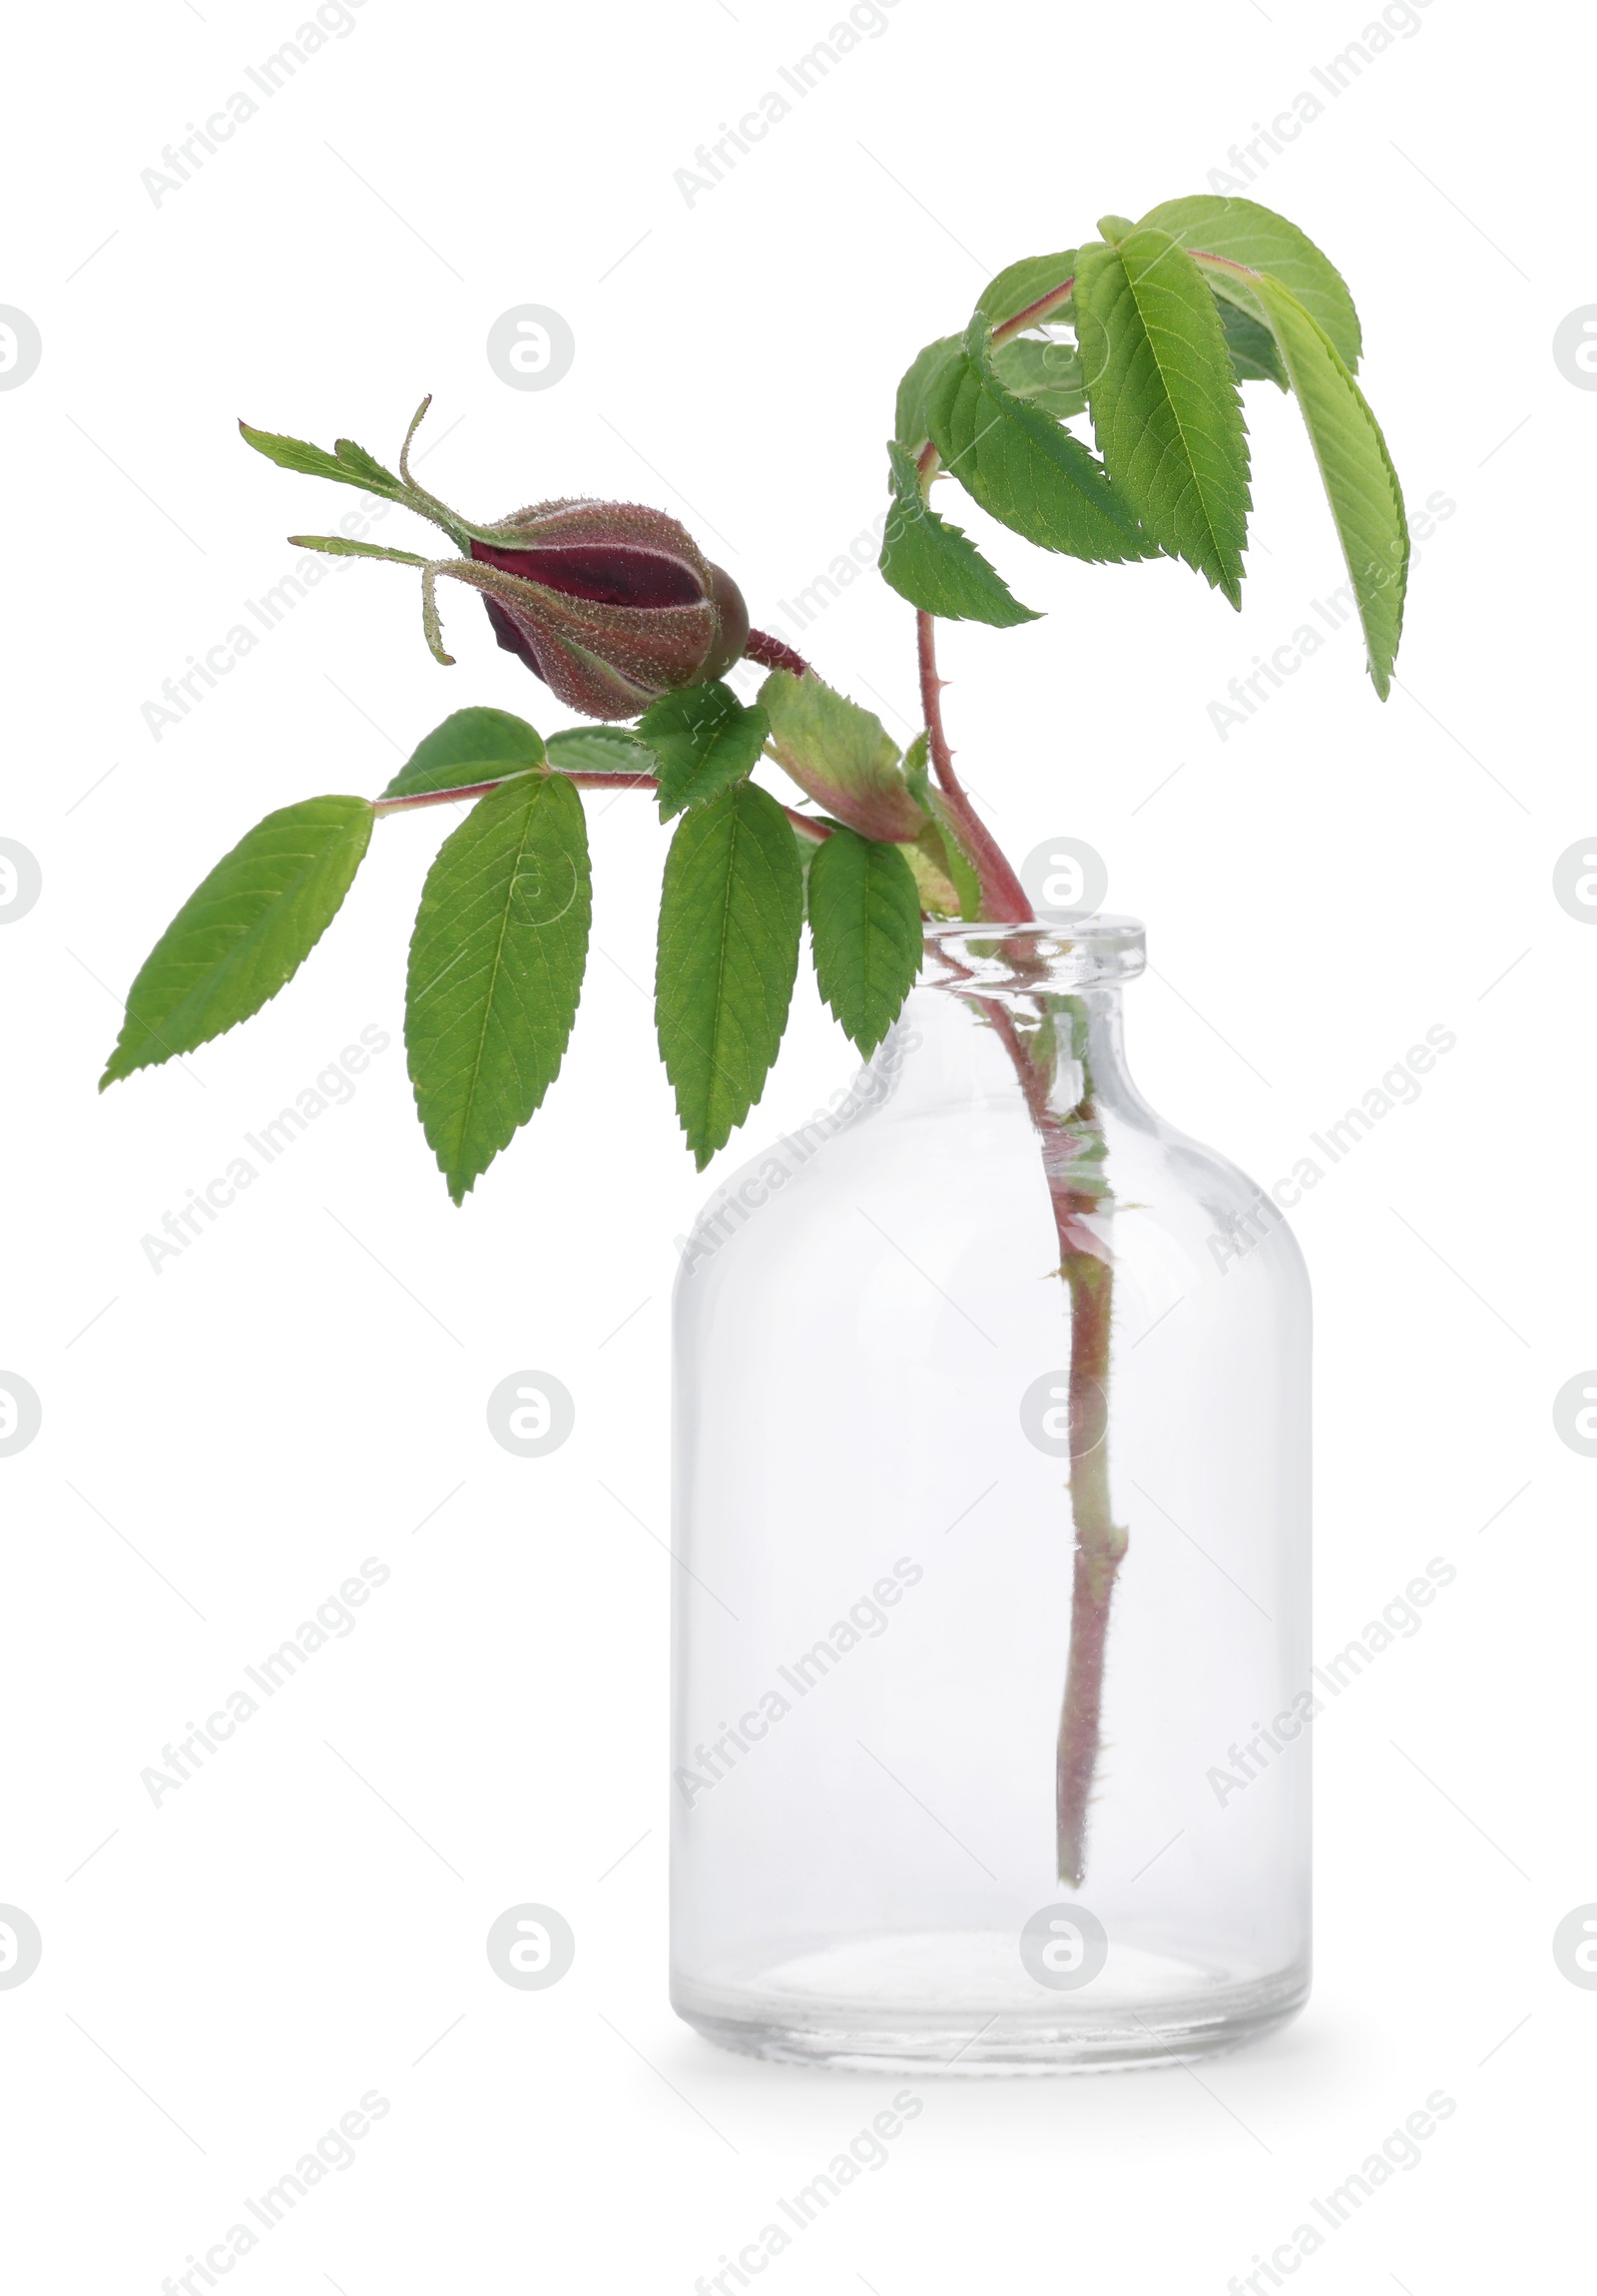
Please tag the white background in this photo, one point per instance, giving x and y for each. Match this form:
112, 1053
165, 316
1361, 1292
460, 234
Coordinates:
225, 1441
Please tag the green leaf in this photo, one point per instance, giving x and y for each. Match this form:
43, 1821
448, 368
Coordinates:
927, 861
1240, 231
469, 747
1019, 286
1254, 356
601, 750
245, 932
731, 912
705, 740
1362, 486
340, 546
958, 863
936, 565
300, 454
1164, 399
496, 965
366, 467
807, 847
1024, 469
928, 855
864, 924
909, 420
1048, 375
839, 753
940, 848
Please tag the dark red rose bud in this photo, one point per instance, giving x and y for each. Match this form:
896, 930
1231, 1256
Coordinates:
612, 604
734, 639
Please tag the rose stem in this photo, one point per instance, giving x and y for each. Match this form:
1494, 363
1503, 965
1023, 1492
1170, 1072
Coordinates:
814, 831
773, 653
1100, 1542
1003, 897
1035, 312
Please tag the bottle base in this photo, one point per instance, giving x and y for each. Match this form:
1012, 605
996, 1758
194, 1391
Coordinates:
961, 2003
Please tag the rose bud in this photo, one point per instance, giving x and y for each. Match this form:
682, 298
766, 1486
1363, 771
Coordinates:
612, 604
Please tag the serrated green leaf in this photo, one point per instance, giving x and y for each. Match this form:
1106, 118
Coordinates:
245, 932
936, 565
1047, 374
495, 972
1024, 468
366, 467
927, 861
1254, 356
731, 912
1165, 405
1241, 232
599, 750
471, 746
941, 845
340, 546
928, 855
705, 740
909, 414
807, 847
865, 925
300, 454
1362, 486
1019, 286
839, 753
958, 863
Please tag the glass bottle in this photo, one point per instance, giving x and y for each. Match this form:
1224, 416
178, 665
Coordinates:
992, 1512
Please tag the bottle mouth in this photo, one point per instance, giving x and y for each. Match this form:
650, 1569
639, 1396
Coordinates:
1059, 949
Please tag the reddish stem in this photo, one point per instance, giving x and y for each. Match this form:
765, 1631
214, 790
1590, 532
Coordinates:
1224, 263
1100, 1540
1034, 313
1100, 1545
452, 796
1046, 305
816, 832
773, 653
1003, 897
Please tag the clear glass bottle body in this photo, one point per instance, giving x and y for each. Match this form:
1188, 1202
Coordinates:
991, 1511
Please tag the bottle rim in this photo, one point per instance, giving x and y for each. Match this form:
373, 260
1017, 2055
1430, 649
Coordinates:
1059, 949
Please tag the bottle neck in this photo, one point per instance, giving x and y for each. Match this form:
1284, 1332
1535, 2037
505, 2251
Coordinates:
1030, 1009
1057, 1051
